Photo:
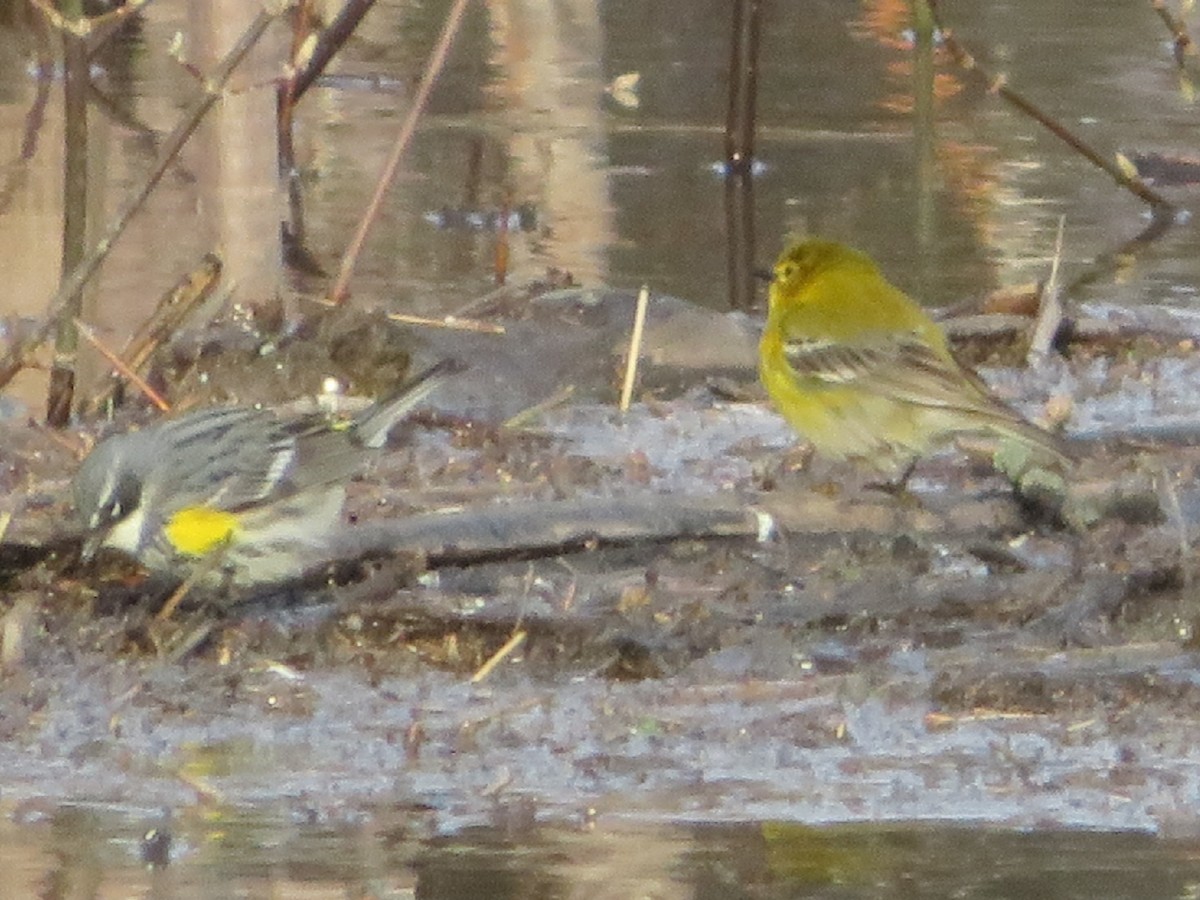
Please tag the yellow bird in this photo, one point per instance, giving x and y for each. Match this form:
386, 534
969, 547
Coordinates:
859, 369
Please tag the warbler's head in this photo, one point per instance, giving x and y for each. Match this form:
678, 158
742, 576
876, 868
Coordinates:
108, 492
804, 260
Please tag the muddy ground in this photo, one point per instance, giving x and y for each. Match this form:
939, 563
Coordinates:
672, 614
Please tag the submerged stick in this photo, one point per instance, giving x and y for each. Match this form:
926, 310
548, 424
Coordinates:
452, 323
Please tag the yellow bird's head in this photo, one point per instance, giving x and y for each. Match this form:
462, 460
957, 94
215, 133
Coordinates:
804, 260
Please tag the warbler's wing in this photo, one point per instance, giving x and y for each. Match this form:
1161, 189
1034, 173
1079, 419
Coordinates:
904, 368
224, 458
898, 365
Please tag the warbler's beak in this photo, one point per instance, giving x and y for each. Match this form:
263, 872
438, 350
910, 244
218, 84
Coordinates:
92, 542
762, 275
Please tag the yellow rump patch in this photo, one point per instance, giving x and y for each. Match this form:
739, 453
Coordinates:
198, 530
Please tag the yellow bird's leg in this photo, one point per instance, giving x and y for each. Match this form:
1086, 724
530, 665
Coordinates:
208, 564
898, 486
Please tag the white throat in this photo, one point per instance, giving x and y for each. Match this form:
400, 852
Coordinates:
126, 535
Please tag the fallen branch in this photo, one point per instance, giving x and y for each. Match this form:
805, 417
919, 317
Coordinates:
513, 530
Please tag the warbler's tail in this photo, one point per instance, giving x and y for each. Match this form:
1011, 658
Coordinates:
994, 415
372, 425
1037, 438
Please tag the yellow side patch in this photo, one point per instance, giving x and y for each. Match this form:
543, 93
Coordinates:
198, 530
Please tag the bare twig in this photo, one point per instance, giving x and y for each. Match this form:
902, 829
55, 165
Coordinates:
558, 398
61, 393
499, 656
451, 322
206, 566
331, 39
14, 360
172, 602
635, 347
433, 68
311, 53
172, 308
117, 363
1050, 309
1181, 41
1160, 206
84, 26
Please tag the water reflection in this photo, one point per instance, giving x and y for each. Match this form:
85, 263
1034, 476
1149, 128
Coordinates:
97, 852
625, 192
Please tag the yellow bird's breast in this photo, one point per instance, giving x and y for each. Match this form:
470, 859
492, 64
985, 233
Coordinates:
842, 421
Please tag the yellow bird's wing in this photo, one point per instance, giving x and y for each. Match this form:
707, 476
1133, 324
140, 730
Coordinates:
900, 366
903, 368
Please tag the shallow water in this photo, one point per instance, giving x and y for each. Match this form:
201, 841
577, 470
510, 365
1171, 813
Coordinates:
620, 187
80, 851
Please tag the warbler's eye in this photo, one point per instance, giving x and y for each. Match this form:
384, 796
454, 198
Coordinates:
107, 513
124, 500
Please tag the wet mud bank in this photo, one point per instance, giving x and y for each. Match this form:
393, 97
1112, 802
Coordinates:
670, 614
